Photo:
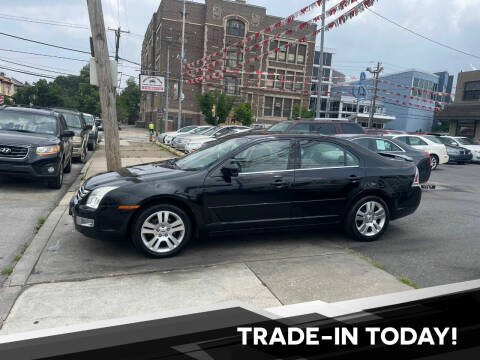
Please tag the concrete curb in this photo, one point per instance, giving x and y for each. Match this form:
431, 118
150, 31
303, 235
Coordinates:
25, 265
170, 149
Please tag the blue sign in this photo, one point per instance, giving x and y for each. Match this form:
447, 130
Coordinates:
360, 91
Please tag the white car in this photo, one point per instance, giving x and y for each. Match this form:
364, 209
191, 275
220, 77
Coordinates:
196, 143
171, 134
438, 152
469, 144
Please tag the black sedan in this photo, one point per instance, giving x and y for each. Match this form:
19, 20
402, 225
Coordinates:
249, 181
384, 146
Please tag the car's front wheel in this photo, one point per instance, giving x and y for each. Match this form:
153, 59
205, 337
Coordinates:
56, 183
161, 230
368, 219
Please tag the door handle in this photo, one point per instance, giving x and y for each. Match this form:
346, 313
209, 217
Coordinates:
279, 183
354, 178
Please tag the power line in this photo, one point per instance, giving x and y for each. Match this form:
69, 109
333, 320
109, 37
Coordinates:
27, 72
36, 68
423, 36
46, 55
45, 44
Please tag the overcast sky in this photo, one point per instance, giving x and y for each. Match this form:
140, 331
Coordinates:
358, 43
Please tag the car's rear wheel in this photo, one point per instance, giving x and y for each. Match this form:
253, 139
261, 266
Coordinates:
161, 230
368, 219
57, 182
434, 162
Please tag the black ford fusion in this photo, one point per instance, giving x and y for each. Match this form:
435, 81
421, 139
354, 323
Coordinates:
245, 182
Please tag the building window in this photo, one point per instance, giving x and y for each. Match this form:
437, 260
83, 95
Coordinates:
302, 52
270, 78
289, 80
273, 46
282, 54
287, 108
299, 82
235, 28
292, 54
232, 85
267, 108
279, 84
465, 128
277, 107
327, 59
335, 106
472, 91
234, 56
250, 98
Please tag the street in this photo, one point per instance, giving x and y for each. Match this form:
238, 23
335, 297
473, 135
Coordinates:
25, 202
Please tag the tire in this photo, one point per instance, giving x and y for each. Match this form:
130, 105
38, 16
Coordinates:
57, 182
91, 146
434, 162
68, 168
353, 225
156, 241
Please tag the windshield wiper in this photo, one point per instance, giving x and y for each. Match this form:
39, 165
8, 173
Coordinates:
19, 130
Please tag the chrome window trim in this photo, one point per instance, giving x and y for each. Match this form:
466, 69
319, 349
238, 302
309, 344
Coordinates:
320, 168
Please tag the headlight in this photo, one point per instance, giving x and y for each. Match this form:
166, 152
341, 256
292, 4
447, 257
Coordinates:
77, 139
97, 195
48, 150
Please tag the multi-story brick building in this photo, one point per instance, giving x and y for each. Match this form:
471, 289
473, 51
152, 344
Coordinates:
210, 27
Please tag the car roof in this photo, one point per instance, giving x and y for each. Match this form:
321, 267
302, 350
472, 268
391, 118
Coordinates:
34, 110
72, 111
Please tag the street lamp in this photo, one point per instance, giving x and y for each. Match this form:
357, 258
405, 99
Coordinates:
167, 85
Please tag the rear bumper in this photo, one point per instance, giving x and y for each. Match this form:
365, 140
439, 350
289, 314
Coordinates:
443, 158
407, 203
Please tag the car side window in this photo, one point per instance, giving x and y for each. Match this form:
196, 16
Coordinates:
265, 156
416, 141
319, 154
403, 139
326, 129
384, 145
351, 129
365, 143
301, 127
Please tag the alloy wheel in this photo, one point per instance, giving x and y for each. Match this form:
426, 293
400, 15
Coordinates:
370, 218
163, 231
433, 162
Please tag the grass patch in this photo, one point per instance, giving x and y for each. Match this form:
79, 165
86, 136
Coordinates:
40, 221
7, 270
408, 282
18, 257
367, 259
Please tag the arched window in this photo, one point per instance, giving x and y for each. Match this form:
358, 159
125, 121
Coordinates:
235, 27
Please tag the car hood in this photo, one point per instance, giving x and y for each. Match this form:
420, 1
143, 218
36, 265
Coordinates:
470, 147
14, 138
135, 174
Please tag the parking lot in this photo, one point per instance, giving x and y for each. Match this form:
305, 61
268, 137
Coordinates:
437, 245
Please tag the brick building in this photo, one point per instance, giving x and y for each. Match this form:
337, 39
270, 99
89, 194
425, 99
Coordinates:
209, 28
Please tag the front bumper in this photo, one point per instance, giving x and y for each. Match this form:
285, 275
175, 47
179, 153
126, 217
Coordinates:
32, 166
460, 157
106, 220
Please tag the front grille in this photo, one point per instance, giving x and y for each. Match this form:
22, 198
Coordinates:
82, 193
13, 152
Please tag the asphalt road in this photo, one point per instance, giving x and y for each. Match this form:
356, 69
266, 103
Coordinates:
22, 203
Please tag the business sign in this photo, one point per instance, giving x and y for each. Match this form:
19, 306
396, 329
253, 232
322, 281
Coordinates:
151, 83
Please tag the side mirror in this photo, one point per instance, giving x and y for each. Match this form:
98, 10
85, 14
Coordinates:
88, 127
68, 133
97, 123
230, 170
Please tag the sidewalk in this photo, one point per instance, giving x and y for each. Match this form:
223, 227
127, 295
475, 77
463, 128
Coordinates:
65, 278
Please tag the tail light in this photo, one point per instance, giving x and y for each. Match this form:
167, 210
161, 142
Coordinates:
416, 179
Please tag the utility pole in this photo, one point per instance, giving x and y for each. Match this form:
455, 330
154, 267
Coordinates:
320, 70
167, 82
106, 86
182, 63
376, 72
118, 32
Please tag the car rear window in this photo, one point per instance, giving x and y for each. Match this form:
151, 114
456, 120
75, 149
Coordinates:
351, 129
327, 129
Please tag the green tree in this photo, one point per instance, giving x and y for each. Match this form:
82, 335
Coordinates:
223, 104
128, 102
243, 113
302, 112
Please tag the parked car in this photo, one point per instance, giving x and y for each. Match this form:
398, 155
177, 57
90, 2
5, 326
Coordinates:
248, 182
456, 153
325, 127
438, 152
76, 123
196, 142
179, 141
383, 145
467, 143
375, 131
99, 123
35, 143
93, 137
259, 126
169, 135
199, 143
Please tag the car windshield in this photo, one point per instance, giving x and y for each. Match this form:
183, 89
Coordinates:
186, 128
447, 141
467, 141
435, 139
27, 122
280, 126
200, 130
211, 131
207, 156
73, 120
89, 119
